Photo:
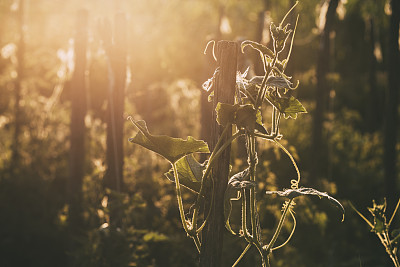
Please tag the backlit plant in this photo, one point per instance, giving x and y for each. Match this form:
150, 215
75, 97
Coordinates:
274, 88
381, 227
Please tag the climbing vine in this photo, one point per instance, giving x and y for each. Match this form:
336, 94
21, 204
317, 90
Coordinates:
274, 88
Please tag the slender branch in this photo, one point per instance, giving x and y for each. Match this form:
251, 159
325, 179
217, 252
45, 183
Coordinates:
290, 10
394, 212
291, 234
291, 158
361, 215
241, 255
253, 162
197, 242
244, 218
279, 227
179, 197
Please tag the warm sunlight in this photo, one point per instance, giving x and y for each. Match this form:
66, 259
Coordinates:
123, 143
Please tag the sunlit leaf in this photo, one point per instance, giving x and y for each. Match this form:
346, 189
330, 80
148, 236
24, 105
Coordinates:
378, 211
170, 148
293, 193
262, 48
279, 35
246, 117
226, 113
210, 97
190, 172
289, 106
280, 82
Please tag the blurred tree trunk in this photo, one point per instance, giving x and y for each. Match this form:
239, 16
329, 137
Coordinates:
224, 91
374, 106
322, 92
15, 157
78, 110
261, 29
116, 48
391, 107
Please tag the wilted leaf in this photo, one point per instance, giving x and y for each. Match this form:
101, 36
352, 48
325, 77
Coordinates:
235, 184
170, 148
190, 172
293, 193
249, 89
280, 82
289, 106
262, 48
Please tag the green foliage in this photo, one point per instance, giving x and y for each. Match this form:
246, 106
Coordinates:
190, 172
290, 107
170, 148
243, 116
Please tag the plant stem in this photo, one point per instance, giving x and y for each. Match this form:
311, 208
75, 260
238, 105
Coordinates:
279, 227
252, 169
273, 130
394, 212
241, 255
179, 197
197, 242
291, 234
263, 87
213, 157
390, 250
244, 217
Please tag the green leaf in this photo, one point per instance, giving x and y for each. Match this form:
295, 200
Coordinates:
190, 172
293, 193
379, 213
210, 97
257, 46
259, 125
170, 148
289, 106
279, 35
246, 117
226, 113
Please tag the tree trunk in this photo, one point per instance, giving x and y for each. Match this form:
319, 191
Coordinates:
391, 108
374, 107
78, 110
322, 91
15, 157
224, 91
117, 53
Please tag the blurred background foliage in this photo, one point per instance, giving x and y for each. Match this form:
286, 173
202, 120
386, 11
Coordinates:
166, 68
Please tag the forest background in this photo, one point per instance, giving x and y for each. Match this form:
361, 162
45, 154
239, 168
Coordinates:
62, 205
